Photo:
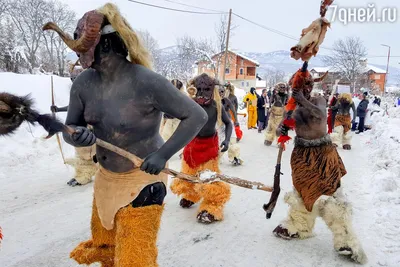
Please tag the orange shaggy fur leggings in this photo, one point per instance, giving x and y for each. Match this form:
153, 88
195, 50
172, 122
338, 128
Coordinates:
132, 242
214, 195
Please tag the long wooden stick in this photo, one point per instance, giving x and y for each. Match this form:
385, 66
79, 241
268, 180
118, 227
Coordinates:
194, 179
54, 115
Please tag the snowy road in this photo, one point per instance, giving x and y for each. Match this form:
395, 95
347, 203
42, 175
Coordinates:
43, 219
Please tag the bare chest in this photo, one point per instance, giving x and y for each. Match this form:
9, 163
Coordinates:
119, 106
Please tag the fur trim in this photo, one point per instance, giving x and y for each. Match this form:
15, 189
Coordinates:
273, 123
337, 216
138, 54
346, 96
215, 195
234, 150
299, 220
100, 248
84, 169
201, 150
212, 165
136, 236
185, 189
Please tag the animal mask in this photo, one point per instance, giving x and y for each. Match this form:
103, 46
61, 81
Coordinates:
205, 86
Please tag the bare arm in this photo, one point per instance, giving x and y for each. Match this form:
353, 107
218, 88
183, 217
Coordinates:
75, 115
167, 99
228, 126
317, 110
232, 108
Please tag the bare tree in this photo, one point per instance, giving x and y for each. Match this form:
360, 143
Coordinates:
347, 57
55, 48
190, 50
152, 46
3, 6
273, 77
29, 17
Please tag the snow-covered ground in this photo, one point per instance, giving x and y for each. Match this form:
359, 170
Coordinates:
43, 218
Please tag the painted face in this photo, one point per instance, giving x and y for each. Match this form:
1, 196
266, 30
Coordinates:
205, 89
222, 92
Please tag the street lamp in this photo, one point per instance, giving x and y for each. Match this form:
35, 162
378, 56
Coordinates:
387, 69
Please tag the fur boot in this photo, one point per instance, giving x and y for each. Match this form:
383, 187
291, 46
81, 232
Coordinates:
136, 236
337, 135
337, 215
215, 195
185, 189
273, 123
299, 222
100, 248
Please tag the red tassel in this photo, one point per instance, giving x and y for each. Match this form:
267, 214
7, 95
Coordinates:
283, 139
1, 235
290, 123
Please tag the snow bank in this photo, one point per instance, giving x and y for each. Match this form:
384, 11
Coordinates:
27, 143
384, 158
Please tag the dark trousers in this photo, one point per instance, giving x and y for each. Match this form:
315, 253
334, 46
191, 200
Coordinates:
361, 124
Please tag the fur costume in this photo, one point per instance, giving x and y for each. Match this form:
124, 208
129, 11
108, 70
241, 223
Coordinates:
316, 172
131, 243
199, 155
251, 110
234, 148
335, 211
275, 118
316, 169
341, 133
122, 235
83, 163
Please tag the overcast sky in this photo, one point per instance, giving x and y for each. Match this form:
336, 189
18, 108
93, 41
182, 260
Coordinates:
288, 16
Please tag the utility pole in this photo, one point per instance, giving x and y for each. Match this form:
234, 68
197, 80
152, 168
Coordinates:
227, 45
387, 69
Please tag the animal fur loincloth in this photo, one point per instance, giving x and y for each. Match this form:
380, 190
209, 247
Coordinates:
343, 120
113, 191
200, 150
316, 169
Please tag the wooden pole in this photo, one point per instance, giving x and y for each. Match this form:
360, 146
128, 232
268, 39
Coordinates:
387, 72
227, 45
54, 115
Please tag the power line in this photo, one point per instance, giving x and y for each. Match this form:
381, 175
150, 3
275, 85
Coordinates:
177, 10
201, 8
267, 28
218, 12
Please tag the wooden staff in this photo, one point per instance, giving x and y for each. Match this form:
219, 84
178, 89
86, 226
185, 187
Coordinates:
54, 115
193, 179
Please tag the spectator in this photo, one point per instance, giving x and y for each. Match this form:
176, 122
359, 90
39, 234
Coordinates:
362, 112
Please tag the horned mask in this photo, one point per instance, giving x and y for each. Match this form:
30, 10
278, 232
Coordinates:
99, 22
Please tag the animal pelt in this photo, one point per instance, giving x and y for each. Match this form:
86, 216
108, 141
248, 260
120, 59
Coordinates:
14, 110
138, 53
346, 96
201, 150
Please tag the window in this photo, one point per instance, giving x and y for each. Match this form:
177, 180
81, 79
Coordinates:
242, 84
227, 71
251, 71
241, 71
377, 77
247, 84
